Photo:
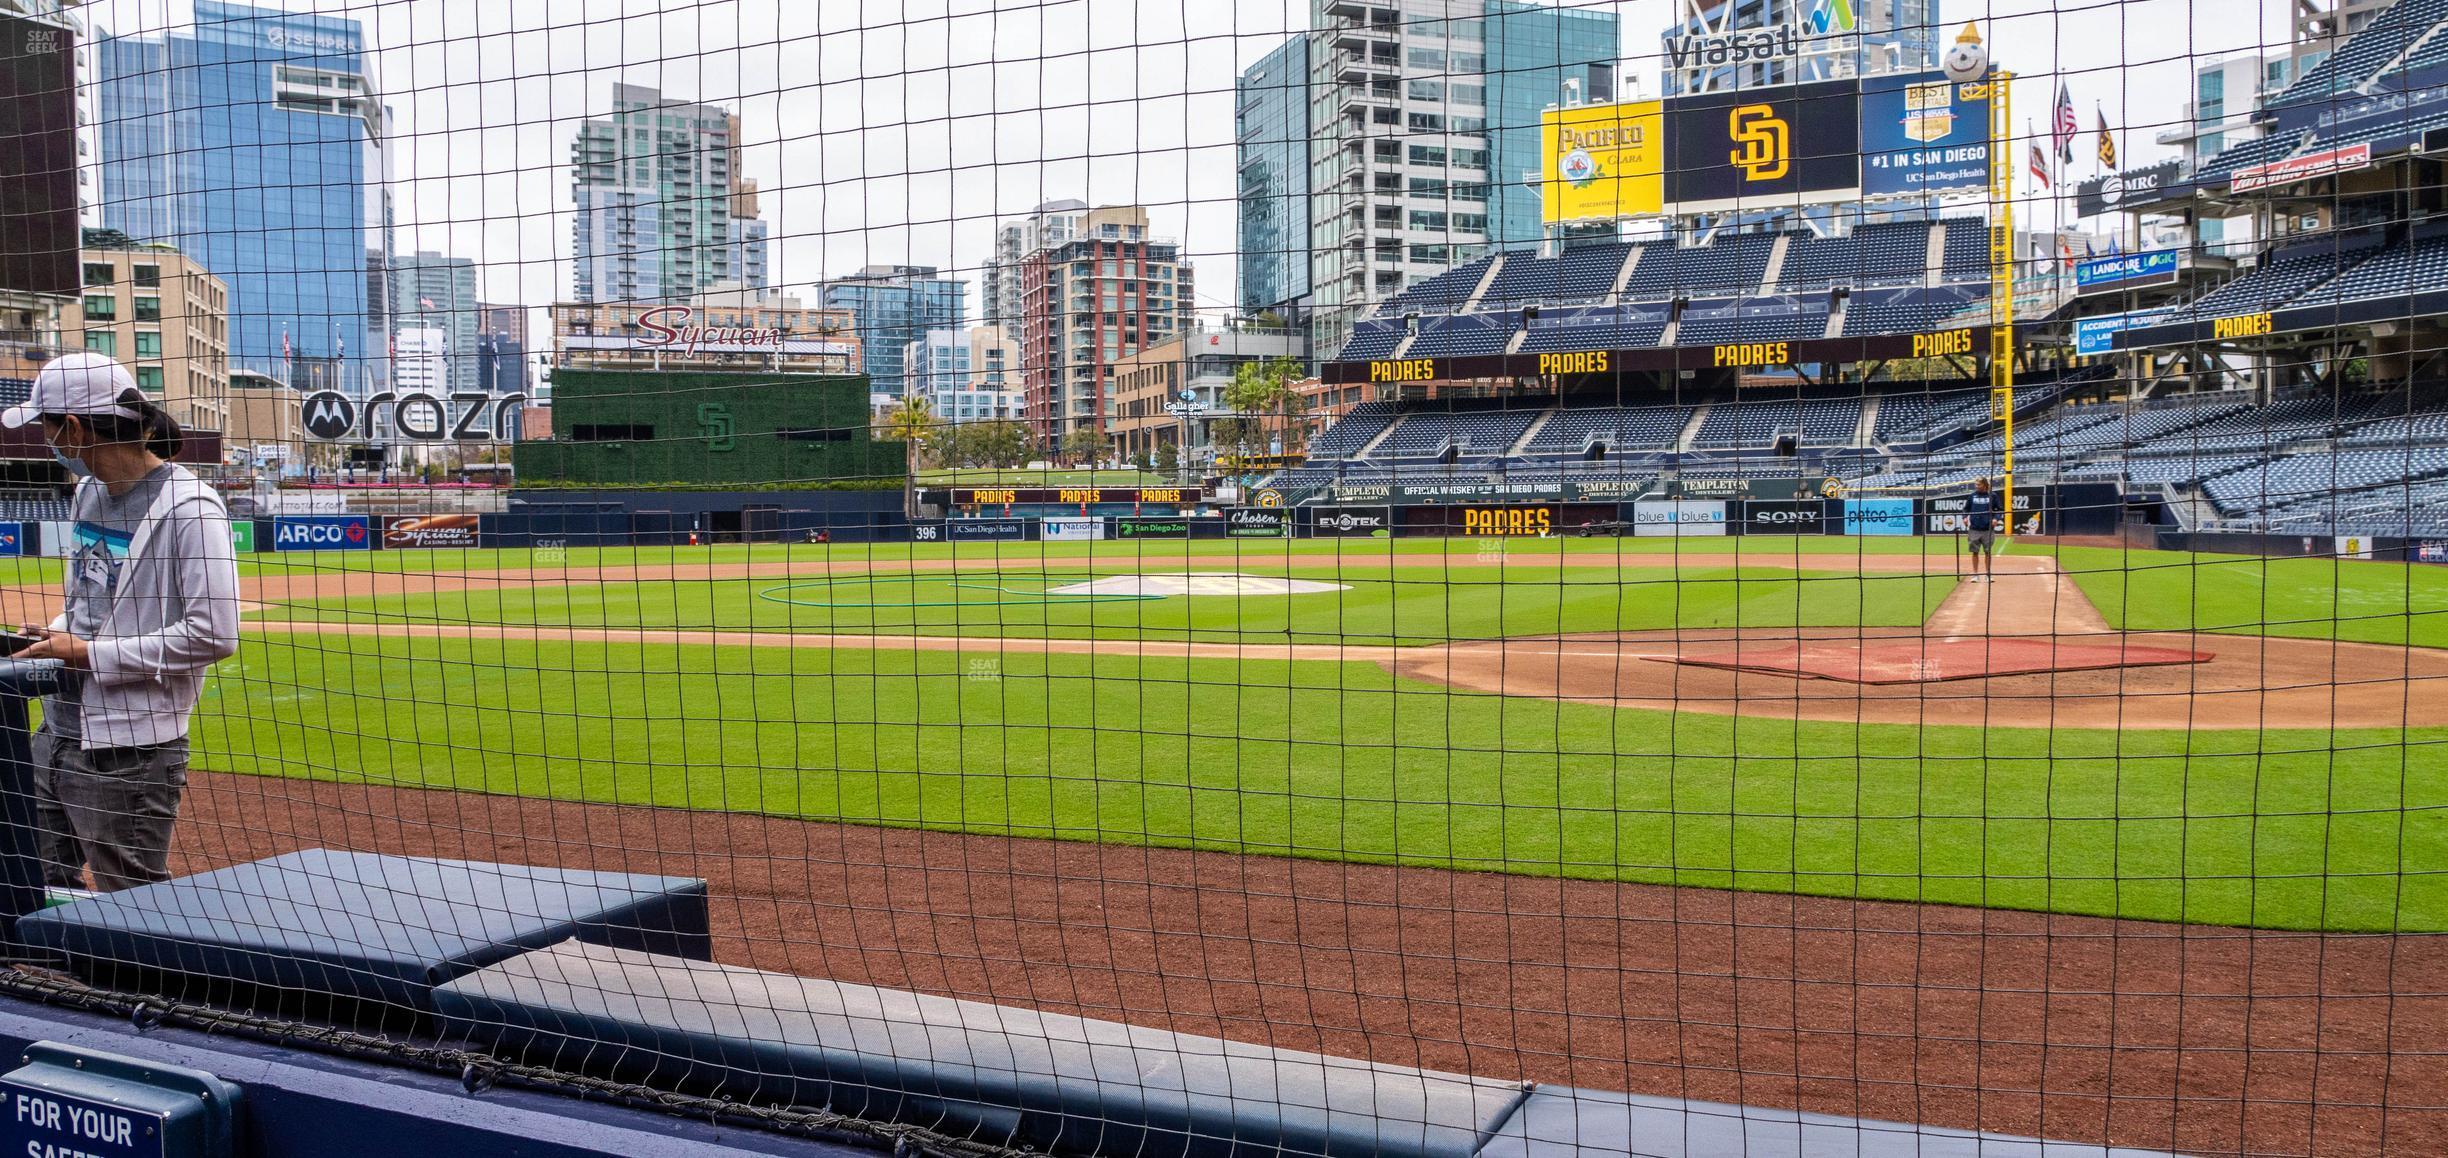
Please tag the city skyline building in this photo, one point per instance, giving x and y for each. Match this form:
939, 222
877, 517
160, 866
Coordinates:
1271, 145
436, 291
167, 319
965, 375
254, 141
1000, 297
661, 210
1422, 133
1089, 302
896, 305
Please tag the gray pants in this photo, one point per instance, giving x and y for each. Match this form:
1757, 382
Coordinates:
110, 809
1981, 542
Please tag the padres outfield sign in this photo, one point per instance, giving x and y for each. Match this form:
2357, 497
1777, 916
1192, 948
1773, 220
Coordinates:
1727, 355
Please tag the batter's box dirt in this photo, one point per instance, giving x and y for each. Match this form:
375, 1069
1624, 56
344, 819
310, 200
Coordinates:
1921, 661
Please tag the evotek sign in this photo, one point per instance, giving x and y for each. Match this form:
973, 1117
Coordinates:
323, 533
416, 416
1350, 521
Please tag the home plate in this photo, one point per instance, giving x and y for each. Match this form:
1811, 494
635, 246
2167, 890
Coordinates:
1191, 583
1910, 661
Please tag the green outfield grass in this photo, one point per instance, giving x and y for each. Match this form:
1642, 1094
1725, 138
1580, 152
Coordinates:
1377, 603
1342, 760
1334, 760
24, 570
2303, 598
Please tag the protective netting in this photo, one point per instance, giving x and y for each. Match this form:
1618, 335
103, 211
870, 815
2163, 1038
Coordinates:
1362, 577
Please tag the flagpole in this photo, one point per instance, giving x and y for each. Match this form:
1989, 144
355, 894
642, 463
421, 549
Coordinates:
2001, 275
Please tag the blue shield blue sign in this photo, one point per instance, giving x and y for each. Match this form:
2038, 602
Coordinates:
12, 540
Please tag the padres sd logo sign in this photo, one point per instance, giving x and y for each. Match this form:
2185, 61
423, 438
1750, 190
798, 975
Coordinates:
1763, 142
1269, 498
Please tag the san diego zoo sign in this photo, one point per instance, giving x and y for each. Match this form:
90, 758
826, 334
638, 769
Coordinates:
416, 416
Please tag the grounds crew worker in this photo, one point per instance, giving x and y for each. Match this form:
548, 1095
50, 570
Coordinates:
1980, 534
152, 601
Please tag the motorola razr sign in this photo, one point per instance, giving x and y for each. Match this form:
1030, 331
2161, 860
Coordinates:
462, 416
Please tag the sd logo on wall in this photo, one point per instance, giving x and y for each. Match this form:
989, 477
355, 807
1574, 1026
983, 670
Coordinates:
1748, 147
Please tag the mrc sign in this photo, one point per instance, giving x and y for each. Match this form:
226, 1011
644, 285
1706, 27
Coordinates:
415, 416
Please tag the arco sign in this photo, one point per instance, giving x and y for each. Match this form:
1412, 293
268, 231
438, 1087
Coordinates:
416, 416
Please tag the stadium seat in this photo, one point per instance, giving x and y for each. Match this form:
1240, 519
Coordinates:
995, 1074
356, 937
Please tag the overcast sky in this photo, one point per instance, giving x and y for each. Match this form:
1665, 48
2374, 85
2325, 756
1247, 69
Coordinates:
896, 131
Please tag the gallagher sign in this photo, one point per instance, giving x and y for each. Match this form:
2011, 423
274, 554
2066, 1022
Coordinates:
323, 533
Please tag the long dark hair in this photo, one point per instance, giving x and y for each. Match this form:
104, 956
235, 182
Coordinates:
152, 425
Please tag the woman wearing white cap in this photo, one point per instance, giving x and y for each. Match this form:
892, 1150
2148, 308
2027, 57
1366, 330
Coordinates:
152, 601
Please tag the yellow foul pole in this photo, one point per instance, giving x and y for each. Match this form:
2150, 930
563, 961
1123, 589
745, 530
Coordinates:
2001, 280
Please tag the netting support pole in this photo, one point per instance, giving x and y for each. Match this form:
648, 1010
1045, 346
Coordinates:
2001, 279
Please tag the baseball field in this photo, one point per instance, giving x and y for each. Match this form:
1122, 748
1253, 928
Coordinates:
1310, 789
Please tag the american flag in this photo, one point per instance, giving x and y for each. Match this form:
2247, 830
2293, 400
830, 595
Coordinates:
285, 344
2066, 125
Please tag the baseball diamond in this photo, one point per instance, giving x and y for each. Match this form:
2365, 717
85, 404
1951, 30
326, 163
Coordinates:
1227, 579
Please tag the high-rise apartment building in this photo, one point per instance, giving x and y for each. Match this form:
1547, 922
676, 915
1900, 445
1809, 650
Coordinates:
1422, 126
964, 374
1271, 136
662, 211
252, 140
896, 305
431, 291
1051, 223
1088, 302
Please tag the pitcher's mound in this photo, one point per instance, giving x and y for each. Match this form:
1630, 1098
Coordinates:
1920, 661
1196, 583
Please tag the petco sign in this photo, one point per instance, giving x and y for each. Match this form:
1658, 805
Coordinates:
323, 533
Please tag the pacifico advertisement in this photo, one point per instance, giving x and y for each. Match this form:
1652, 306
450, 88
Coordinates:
1602, 162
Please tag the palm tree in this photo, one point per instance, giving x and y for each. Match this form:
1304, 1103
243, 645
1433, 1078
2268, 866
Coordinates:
911, 424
